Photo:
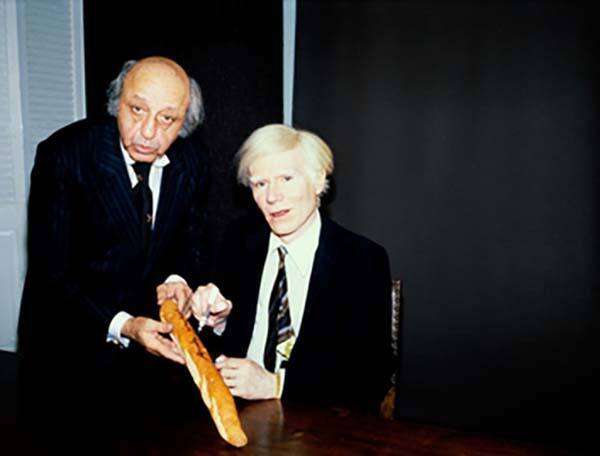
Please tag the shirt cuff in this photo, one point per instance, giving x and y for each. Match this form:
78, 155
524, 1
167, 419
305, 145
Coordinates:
175, 278
114, 329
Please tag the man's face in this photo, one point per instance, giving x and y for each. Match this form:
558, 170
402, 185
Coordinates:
152, 109
284, 192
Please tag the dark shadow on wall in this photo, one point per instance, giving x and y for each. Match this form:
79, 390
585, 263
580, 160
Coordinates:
466, 142
231, 47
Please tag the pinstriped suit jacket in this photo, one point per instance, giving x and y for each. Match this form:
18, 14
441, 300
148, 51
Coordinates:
85, 258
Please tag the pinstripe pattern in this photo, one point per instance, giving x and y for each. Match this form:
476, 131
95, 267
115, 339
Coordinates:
86, 260
81, 191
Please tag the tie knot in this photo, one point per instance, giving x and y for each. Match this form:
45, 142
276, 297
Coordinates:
282, 251
142, 170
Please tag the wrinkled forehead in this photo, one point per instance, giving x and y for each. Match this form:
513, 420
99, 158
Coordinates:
158, 81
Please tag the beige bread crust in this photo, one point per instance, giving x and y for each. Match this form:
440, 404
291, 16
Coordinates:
215, 393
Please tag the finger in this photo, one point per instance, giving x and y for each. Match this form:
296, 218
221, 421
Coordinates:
168, 290
159, 326
219, 313
186, 305
159, 346
213, 294
199, 302
233, 363
181, 294
173, 356
208, 302
220, 361
218, 307
236, 391
161, 294
230, 382
154, 352
216, 321
171, 345
227, 373
169, 350
222, 309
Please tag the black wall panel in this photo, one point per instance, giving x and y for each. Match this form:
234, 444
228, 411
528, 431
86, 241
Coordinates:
232, 48
466, 142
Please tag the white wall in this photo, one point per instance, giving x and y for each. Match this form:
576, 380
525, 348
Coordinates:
289, 49
41, 89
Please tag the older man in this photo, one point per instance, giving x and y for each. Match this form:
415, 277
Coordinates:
114, 205
311, 300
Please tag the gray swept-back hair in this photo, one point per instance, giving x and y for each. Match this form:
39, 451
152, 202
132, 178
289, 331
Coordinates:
194, 116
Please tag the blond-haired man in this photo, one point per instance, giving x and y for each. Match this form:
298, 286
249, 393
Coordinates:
311, 300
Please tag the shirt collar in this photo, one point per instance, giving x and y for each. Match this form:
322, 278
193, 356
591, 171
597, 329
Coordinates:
301, 250
160, 162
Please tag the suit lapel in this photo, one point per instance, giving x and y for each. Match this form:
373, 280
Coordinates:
241, 276
258, 254
173, 178
257, 247
115, 192
113, 185
320, 278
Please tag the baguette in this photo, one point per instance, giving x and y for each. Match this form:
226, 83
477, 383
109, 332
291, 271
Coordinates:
215, 393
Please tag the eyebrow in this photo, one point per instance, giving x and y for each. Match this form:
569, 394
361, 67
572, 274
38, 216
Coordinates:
137, 97
279, 173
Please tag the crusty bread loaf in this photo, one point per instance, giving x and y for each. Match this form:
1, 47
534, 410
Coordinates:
215, 393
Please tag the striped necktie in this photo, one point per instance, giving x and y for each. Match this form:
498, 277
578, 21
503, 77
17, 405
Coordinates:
142, 198
280, 336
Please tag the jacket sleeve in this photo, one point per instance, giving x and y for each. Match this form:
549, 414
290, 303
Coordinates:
53, 291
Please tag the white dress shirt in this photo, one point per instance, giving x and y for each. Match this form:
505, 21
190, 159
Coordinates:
154, 181
298, 268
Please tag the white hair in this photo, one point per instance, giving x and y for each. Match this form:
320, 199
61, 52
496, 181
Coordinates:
277, 138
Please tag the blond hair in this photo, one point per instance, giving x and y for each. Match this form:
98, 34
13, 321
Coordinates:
276, 138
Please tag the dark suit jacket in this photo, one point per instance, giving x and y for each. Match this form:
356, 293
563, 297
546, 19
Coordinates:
342, 355
85, 258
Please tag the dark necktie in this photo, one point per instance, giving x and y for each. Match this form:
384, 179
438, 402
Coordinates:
142, 198
280, 334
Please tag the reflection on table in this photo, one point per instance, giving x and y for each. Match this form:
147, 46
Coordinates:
275, 428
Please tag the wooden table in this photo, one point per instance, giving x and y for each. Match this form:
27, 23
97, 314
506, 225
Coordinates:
274, 428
